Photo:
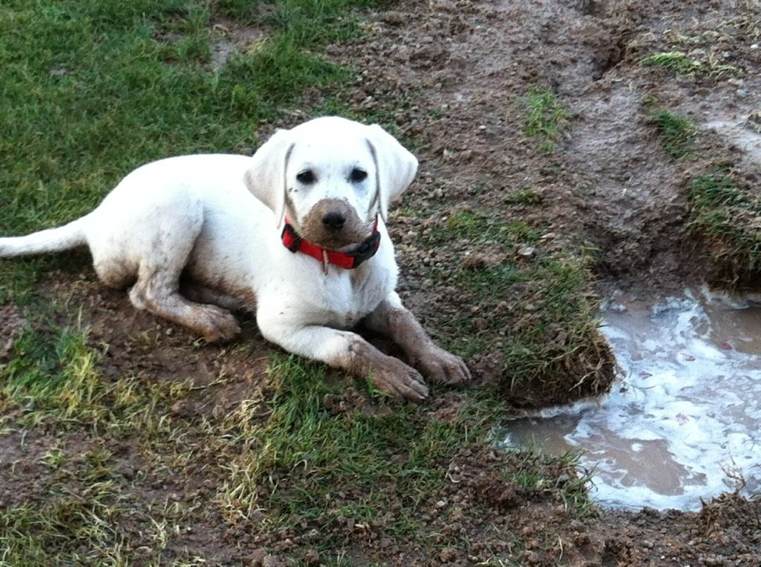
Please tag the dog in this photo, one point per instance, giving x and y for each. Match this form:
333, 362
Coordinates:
296, 233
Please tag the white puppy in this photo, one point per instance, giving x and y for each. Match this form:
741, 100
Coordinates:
308, 251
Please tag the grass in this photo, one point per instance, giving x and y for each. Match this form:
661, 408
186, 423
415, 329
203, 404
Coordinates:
676, 61
528, 475
677, 133
546, 118
306, 464
727, 217
92, 89
75, 522
60, 527
53, 377
294, 461
682, 64
550, 348
527, 197
477, 227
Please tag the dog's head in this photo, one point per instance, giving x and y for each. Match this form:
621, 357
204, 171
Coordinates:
331, 177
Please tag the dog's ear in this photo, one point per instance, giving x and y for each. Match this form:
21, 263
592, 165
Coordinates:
266, 178
396, 166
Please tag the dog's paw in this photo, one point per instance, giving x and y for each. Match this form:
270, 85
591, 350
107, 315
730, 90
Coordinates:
218, 325
443, 367
399, 380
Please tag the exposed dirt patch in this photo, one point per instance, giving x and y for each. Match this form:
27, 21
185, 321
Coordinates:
470, 63
11, 325
232, 37
218, 376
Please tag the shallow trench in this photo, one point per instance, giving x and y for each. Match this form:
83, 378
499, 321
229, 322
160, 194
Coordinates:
683, 422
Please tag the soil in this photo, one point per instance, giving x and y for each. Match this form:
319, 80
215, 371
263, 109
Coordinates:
455, 72
468, 65
12, 322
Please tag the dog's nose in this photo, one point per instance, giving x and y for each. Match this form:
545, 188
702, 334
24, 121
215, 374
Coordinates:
334, 221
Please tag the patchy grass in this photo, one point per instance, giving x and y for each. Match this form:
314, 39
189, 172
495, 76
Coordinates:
293, 463
546, 118
526, 197
477, 227
67, 528
535, 310
677, 133
556, 352
529, 473
363, 465
727, 217
93, 89
682, 64
676, 61
53, 377
76, 522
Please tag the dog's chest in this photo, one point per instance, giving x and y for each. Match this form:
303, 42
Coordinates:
345, 300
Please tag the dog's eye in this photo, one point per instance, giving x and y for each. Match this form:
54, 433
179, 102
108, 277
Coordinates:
357, 175
306, 177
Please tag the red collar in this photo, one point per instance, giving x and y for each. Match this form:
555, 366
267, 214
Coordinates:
346, 260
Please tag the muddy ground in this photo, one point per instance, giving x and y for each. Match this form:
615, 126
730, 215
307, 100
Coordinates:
453, 76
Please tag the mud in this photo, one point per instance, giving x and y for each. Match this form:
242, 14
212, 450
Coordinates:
681, 426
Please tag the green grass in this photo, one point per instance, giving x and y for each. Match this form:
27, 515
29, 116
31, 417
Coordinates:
527, 197
677, 133
475, 226
550, 347
301, 454
682, 64
546, 118
676, 61
304, 463
54, 377
528, 474
76, 521
727, 216
92, 89
68, 528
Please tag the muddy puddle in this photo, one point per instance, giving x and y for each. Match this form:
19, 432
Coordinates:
683, 423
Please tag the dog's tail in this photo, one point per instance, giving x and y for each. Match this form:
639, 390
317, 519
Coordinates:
51, 240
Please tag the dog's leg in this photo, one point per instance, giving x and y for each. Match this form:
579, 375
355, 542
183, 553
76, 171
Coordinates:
390, 318
162, 259
156, 291
348, 351
202, 294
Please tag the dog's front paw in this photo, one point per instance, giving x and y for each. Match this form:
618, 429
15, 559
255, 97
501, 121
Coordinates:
217, 325
442, 367
399, 380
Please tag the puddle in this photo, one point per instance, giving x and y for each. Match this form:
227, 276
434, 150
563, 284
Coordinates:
683, 423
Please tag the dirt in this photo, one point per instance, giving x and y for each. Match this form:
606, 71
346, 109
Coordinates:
469, 63
12, 322
454, 71
231, 36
